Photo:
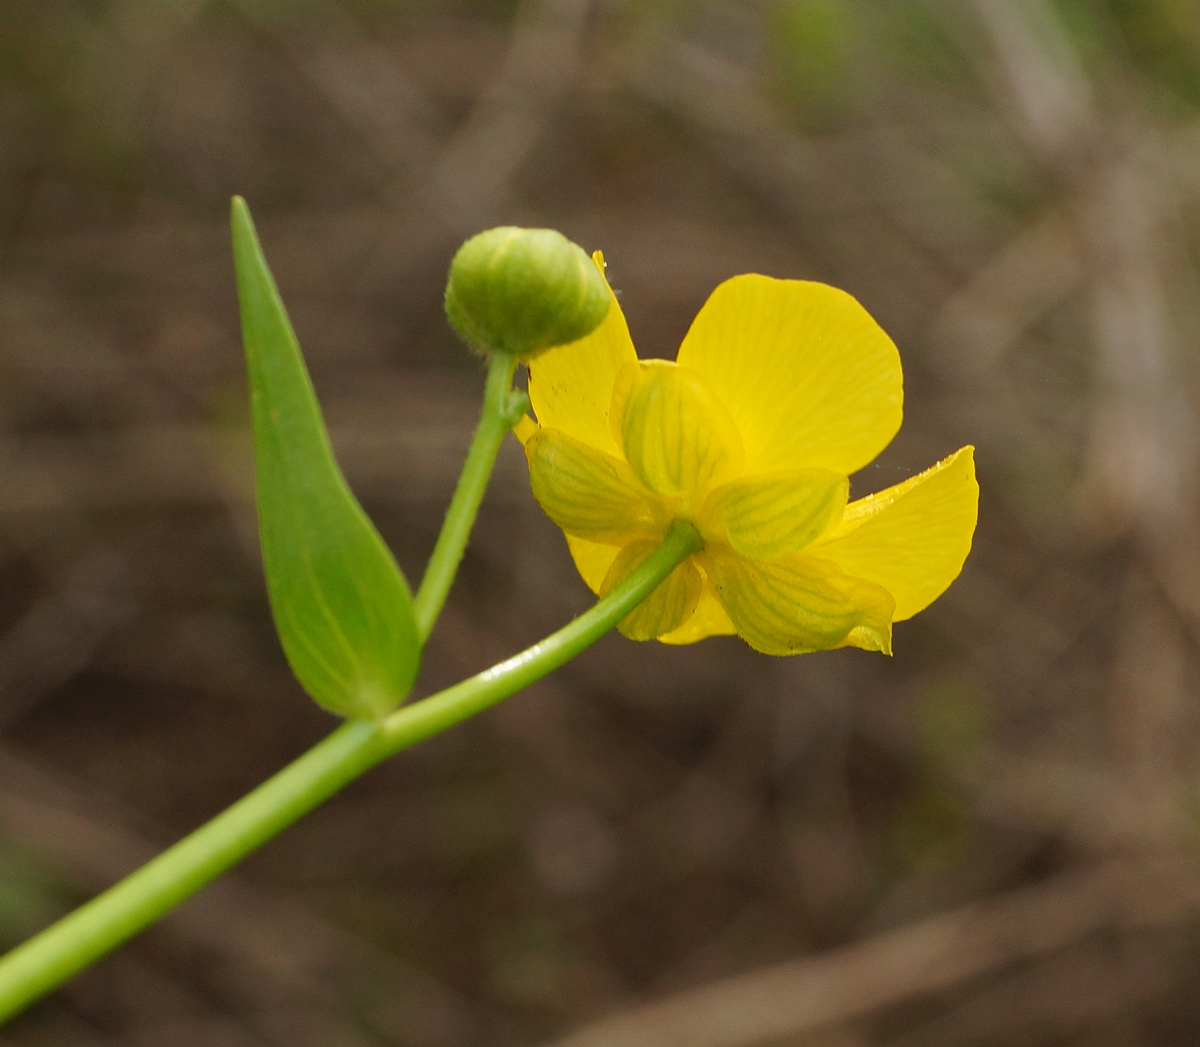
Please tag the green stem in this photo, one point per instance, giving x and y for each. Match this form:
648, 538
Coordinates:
82, 937
499, 414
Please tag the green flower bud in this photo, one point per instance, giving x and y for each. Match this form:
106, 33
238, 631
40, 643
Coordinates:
523, 290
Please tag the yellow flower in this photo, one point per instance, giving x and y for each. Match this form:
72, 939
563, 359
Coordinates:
781, 389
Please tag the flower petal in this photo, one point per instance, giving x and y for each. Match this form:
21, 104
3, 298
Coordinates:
869, 639
665, 609
570, 386
677, 436
592, 560
809, 378
796, 604
912, 538
766, 517
591, 494
708, 619
525, 429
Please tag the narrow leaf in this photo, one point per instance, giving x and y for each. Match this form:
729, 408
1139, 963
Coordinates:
341, 605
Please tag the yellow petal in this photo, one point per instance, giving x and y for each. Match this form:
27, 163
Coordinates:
766, 517
591, 494
678, 438
592, 560
796, 604
525, 429
869, 638
809, 378
912, 538
570, 386
708, 619
665, 609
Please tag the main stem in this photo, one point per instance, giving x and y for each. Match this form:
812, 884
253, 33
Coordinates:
80, 938
495, 420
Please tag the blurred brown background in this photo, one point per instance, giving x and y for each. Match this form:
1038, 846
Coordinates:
988, 839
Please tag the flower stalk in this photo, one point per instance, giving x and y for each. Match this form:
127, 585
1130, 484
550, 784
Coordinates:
502, 406
82, 937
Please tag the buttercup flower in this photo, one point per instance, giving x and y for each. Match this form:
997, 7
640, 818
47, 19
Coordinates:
781, 389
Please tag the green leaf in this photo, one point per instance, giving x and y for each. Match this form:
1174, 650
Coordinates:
341, 605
